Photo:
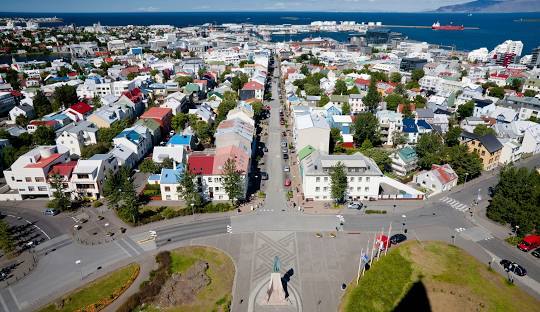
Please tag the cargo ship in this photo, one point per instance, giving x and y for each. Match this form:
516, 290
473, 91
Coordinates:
438, 26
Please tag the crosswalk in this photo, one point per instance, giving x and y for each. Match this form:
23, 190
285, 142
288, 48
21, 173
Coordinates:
229, 229
475, 233
454, 203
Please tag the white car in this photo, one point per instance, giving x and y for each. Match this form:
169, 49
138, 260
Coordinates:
354, 205
286, 169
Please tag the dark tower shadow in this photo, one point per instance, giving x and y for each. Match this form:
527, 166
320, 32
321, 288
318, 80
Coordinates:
415, 300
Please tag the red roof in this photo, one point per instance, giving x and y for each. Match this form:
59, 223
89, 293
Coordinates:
253, 85
361, 81
444, 175
157, 113
49, 123
64, 169
44, 161
134, 95
16, 93
72, 74
81, 108
499, 76
201, 163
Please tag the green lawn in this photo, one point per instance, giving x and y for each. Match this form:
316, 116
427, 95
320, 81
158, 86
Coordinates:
98, 291
448, 278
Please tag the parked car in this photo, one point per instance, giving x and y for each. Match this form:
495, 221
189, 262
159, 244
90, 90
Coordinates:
286, 169
529, 243
283, 144
287, 182
536, 253
264, 175
285, 156
513, 267
265, 149
355, 205
284, 150
51, 212
397, 238
491, 191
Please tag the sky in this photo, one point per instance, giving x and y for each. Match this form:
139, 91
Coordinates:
60, 6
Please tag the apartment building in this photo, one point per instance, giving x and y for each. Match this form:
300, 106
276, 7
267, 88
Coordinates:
487, 147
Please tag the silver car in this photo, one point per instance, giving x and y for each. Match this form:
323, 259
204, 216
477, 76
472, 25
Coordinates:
286, 169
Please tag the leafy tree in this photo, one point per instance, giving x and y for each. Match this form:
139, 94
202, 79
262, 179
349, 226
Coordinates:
466, 110
61, 194
419, 101
516, 200
188, 190
203, 131
111, 188
183, 80
106, 135
395, 77
465, 164
400, 89
353, 90
179, 121
366, 145
412, 85
497, 92
366, 126
340, 88
417, 74
93, 149
398, 138
516, 84
12, 77
335, 138
338, 183
7, 242
44, 136
304, 70
452, 136
239, 81
42, 105
96, 101
167, 163
232, 181
65, 96
482, 130
324, 100
22, 121
393, 100
258, 109
373, 97
429, 150
313, 89
346, 109
381, 158
529, 93
149, 166
121, 195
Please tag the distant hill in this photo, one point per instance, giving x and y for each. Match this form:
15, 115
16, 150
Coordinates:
494, 6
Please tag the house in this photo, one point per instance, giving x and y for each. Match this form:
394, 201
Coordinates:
363, 175
161, 115
483, 107
176, 101
203, 112
64, 172
404, 160
531, 139
413, 128
343, 123
487, 147
338, 100
390, 125
34, 124
77, 135
185, 141
169, 183
311, 129
511, 151
28, 175
154, 128
137, 139
529, 107
105, 116
78, 111
89, 174
24, 110
176, 153
438, 179
252, 89
356, 104
124, 155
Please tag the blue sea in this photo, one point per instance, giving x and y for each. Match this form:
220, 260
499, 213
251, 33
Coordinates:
494, 28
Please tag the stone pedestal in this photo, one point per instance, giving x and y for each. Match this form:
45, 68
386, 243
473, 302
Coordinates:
275, 295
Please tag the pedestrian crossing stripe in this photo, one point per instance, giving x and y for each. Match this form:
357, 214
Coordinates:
229, 229
454, 204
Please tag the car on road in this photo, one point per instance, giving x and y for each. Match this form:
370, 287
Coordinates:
285, 156
282, 122
50, 212
513, 267
265, 149
284, 150
264, 175
286, 169
491, 191
355, 205
536, 253
287, 182
397, 238
529, 242
283, 144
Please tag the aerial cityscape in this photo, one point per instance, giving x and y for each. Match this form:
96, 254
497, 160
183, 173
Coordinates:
311, 156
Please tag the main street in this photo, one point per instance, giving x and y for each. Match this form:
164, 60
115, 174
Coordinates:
320, 265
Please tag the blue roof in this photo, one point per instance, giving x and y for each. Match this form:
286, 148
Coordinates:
130, 135
180, 139
154, 177
423, 124
56, 117
171, 176
409, 126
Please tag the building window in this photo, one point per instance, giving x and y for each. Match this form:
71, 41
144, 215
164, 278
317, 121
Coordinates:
317, 179
28, 179
325, 179
30, 188
352, 179
217, 190
366, 189
367, 179
39, 179
209, 179
317, 189
325, 189
359, 189
42, 188
359, 179
168, 197
167, 188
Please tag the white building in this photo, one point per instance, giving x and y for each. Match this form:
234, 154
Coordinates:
390, 124
509, 46
311, 129
77, 135
438, 179
89, 174
356, 104
511, 151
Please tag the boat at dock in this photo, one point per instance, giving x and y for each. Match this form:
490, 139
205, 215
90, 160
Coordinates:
438, 26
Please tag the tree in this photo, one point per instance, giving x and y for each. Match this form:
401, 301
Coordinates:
21, 120
188, 189
203, 131
96, 101
346, 109
179, 121
452, 136
149, 166
7, 243
400, 89
324, 100
61, 194
429, 149
398, 138
393, 100
516, 84
373, 97
395, 77
465, 164
42, 105
366, 127
183, 80
335, 138
366, 145
44, 136
497, 92
516, 199
121, 195
65, 96
465, 110
529, 93
482, 130
304, 70
239, 81
419, 101
312, 89
340, 88
381, 158
232, 181
417, 74
338, 183
90, 150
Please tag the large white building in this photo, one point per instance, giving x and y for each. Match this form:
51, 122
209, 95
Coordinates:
509, 46
77, 135
311, 129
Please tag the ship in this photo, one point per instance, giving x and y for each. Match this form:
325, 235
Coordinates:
438, 26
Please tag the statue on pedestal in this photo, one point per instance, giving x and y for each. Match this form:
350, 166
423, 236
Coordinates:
275, 292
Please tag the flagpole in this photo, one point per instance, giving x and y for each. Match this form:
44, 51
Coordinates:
371, 257
380, 244
359, 266
364, 267
388, 242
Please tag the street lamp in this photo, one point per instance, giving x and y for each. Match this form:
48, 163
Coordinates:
79, 263
453, 239
404, 222
192, 209
394, 208
466, 175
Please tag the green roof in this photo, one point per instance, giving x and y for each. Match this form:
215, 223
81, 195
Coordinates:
339, 98
148, 123
408, 154
191, 87
305, 152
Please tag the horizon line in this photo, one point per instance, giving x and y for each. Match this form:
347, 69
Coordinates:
259, 11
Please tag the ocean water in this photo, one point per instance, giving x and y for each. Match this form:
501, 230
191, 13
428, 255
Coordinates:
494, 28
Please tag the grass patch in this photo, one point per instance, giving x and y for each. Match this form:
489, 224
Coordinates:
513, 240
98, 294
449, 280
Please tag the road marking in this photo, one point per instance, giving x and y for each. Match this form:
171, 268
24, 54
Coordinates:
37, 227
4, 303
229, 229
122, 247
14, 298
454, 204
460, 229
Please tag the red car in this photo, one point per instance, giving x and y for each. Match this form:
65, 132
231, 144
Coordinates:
529, 242
287, 182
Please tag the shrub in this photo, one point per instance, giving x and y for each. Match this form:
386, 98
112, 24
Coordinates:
97, 203
370, 211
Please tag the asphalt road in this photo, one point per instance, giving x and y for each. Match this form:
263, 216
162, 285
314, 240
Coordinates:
50, 226
179, 232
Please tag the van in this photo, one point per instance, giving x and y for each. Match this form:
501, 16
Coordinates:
529, 243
